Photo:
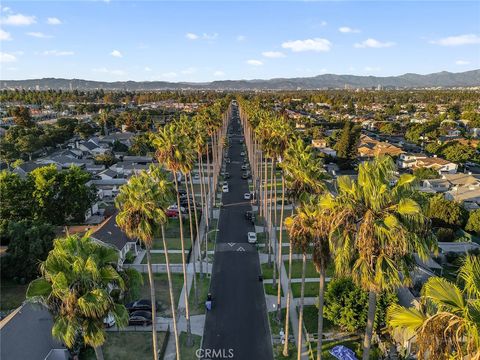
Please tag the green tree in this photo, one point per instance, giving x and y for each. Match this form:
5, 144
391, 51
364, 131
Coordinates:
107, 159
77, 278
445, 320
142, 203
473, 223
376, 228
445, 213
347, 144
346, 305
28, 243
426, 173
21, 116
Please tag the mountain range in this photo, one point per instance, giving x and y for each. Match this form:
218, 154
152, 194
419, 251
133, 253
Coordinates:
325, 81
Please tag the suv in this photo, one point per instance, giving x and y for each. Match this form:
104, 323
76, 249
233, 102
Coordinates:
252, 237
143, 304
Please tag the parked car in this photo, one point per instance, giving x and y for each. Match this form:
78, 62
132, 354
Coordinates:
252, 237
225, 188
242, 153
140, 317
244, 167
109, 321
171, 213
227, 160
247, 196
245, 175
226, 175
143, 304
175, 207
250, 215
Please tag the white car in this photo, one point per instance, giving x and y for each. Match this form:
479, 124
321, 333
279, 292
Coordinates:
174, 207
109, 321
242, 153
247, 196
244, 167
225, 188
252, 237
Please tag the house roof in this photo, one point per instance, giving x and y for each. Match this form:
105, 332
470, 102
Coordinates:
462, 179
27, 334
432, 162
89, 145
109, 233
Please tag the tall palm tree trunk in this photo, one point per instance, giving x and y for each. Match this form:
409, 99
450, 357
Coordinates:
209, 182
280, 246
192, 242
184, 266
289, 294
98, 352
272, 233
265, 212
321, 300
197, 237
204, 211
152, 299
367, 341
170, 291
300, 311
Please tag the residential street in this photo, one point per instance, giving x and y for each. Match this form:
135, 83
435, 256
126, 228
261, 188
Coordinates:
238, 320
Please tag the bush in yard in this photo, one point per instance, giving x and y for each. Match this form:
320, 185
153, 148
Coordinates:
346, 305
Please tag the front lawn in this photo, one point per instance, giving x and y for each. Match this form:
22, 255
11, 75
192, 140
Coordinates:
270, 290
311, 271
310, 319
159, 258
126, 345
203, 288
12, 294
161, 291
311, 289
189, 353
275, 327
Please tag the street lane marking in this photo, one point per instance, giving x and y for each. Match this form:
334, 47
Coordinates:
240, 249
231, 244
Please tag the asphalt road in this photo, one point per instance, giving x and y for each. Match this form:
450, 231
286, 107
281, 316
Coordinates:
237, 326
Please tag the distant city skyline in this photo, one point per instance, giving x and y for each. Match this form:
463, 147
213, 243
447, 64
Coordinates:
207, 41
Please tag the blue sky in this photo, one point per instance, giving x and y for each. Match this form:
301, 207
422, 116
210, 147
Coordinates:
204, 41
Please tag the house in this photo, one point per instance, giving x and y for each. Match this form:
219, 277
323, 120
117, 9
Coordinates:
434, 185
127, 168
108, 174
91, 148
122, 137
408, 160
25, 168
108, 233
319, 143
26, 333
371, 148
436, 163
107, 188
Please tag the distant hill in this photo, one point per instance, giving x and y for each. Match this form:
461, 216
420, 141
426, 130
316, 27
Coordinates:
440, 79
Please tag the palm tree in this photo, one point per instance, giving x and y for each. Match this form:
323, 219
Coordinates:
174, 154
75, 285
445, 321
301, 231
141, 204
302, 177
376, 228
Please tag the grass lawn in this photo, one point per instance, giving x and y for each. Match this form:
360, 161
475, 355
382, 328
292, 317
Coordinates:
159, 258
161, 291
12, 294
275, 327
172, 244
310, 319
270, 290
126, 345
311, 271
267, 270
188, 353
311, 289
203, 287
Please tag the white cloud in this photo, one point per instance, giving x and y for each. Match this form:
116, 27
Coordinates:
209, 36
316, 44
54, 21
146, 68
346, 30
5, 9
116, 53
273, 54
462, 62
18, 20
191, 36
371, 69
39, 35
241, 38
466, 39
372, 43
5, 36
7, 58
323, 23
254, 62
104, 70
57, 53
218, 73
188, 71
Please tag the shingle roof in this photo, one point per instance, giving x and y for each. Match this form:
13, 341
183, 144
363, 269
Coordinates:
109, 233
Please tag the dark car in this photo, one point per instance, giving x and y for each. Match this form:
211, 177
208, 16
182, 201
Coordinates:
140, 317
250, 216
143, 304
245, 175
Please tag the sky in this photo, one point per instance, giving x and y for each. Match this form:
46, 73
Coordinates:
201, 41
